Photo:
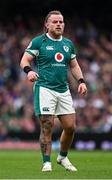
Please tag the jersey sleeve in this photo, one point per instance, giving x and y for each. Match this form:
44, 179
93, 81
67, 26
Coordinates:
32, 48
73, 51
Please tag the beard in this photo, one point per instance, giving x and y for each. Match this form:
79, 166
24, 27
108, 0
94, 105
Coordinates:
57, 32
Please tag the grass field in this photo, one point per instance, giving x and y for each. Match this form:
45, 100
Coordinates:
27, 165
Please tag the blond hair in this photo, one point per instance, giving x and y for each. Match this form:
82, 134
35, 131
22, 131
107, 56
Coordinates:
55, 12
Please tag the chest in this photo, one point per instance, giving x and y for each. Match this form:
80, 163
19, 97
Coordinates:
55, 51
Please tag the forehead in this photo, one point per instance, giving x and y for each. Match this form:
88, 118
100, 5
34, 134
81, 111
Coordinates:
55, 17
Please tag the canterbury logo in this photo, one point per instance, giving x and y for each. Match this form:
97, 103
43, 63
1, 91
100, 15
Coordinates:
49, 48
45, 109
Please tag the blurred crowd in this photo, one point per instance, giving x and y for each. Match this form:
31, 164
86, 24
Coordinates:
94, 54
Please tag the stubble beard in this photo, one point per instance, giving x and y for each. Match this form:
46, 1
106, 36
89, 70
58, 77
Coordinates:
57, 33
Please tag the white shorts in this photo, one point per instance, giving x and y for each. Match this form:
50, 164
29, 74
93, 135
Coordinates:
47, 101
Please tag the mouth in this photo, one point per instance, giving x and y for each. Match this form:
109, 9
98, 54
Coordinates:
58, 28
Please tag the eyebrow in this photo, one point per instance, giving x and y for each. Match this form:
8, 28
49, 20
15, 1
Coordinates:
55, 21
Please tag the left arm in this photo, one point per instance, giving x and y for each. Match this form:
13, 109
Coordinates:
77, 73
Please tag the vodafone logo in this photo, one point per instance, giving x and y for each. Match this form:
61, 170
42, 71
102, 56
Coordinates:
59, 57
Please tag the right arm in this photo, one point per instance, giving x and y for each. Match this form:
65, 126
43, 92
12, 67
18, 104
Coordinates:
25, 65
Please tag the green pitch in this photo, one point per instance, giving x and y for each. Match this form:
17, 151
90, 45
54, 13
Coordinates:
27, 165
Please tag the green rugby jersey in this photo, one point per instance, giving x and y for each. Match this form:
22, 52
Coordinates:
52, 61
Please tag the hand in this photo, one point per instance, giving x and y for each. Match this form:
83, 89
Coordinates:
32, 76
82, 89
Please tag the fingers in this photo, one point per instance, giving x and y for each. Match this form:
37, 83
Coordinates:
82, 89
32, 76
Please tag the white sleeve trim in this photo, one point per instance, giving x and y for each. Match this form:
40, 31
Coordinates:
73, 56
34, 52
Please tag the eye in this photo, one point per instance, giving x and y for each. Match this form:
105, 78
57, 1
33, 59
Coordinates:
60, 22
54, 22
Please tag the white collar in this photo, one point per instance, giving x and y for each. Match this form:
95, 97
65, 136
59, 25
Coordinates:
53, 38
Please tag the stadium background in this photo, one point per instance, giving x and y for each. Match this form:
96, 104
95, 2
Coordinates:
88, 24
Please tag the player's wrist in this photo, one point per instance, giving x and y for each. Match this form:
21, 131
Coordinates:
27, 69
81, 80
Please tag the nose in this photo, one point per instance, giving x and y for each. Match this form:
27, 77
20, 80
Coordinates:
58, 23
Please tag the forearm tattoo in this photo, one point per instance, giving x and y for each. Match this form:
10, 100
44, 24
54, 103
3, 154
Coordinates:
46, 134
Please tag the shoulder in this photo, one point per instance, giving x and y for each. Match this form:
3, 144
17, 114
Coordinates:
38, 39
68, 41
35, 44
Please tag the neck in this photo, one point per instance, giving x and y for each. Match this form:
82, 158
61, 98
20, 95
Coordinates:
54, 37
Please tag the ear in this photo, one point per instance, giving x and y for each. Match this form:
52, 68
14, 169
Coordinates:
46, 25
